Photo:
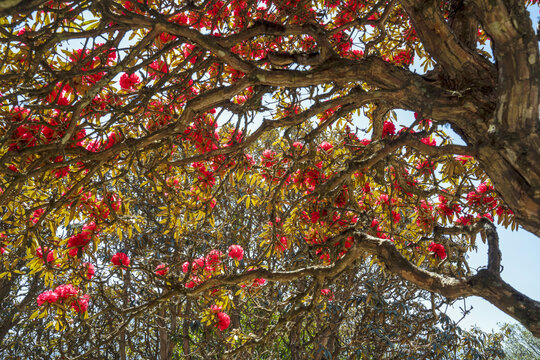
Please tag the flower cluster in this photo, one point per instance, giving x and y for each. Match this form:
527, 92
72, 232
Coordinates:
437, 249
120, 259
65, 294
77, 243
223, 320
236, 252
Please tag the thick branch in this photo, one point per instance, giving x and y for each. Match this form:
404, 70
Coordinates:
457, 61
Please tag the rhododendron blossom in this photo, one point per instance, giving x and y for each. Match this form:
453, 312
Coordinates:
438, 249
223, 321
47, 297
388, 128
162, 270
90, 270
49, 254
81, 304
66, 291
128, 82
120, 259
326, 146
236, 252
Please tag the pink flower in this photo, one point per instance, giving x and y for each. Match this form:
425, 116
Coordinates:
81, 304
78, 242
90, 227
127, 82
223, 321
326, 146
463, 158
185, 267
49, 253
47, 297
259, 282
328, 292
162, 270
388, 128
90, 270
120, 259
213, 257
268, 157
428, 141
236, 252
66, 291
482, 188
438, 249
35, 216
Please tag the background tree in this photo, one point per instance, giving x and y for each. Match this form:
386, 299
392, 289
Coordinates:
520, 343
202, 178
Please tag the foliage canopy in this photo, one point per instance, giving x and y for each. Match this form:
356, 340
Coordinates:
246, 178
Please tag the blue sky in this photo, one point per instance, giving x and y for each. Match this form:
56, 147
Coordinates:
521, 268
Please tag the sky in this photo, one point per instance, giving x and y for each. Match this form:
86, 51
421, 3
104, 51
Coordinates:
521, 269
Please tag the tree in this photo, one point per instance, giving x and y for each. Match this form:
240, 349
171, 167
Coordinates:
229, 167
520, 343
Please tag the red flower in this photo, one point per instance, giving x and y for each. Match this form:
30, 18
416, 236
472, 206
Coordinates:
66, 291
127, 82
328, 292
90, 227
47, 297
78, 242
162, 270
268, 157
223, 321
35, 216
236, 252
120, 259
428, 141
212, 258
388, 128
438, 249
90, 270
315, 216
81, 304
482, 188
326, 146
49, 253
158, 68
463, 158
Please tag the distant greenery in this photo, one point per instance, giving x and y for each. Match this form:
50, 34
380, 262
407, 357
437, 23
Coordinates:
519, 343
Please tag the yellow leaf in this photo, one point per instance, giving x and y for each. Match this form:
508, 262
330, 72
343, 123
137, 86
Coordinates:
119, 233
34, 315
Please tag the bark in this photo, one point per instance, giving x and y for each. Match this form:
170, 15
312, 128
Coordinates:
185, 331
164, 342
